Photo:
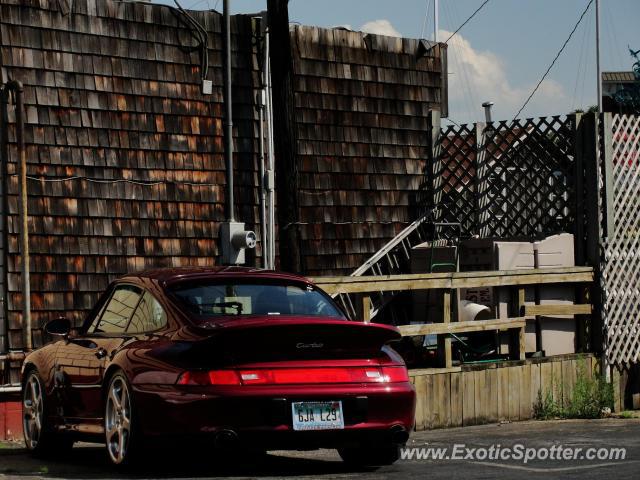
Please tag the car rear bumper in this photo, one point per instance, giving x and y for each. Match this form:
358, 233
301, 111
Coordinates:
263, 415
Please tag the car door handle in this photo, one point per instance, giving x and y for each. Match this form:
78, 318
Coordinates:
101, 353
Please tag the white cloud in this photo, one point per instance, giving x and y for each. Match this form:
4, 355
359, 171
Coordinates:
478, 76
380, 27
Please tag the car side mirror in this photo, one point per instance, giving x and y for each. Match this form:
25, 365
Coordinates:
58, 327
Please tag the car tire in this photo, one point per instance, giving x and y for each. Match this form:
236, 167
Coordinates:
121, 434
39, 435
370, 456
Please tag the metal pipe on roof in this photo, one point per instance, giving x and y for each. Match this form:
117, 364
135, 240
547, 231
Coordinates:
228, 150
487, 111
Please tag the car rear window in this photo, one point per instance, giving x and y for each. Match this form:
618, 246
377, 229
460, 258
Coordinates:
240, 298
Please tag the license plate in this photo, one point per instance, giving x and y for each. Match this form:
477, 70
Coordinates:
317, 415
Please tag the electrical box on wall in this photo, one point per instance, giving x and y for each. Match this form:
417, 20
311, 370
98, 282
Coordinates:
235, 240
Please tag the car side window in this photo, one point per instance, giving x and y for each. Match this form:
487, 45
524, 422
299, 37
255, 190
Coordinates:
148, 317
118, 310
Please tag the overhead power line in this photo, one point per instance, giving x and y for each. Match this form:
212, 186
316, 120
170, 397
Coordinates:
426, 17
467, 21
575, 27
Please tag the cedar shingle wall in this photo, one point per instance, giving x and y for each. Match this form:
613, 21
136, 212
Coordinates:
112, 92
362, 103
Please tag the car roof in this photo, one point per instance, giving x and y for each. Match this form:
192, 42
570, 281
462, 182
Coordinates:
179, 274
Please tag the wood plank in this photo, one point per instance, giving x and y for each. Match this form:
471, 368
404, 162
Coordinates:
514, 374
456, 399
556, 367
429, 403
432, 371
535, 384
569, 376
420, 383
445, 400
525, 392
557, 309
503, 393
546, 379
503, 281
445, 275
468, 399
462, 327
491, 382
478, 390
423, 281
441, 413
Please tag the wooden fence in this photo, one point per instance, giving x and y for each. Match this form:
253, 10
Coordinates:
443, 327
501, 391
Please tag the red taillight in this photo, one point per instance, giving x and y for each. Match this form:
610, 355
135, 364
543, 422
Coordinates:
395, 374
214, 377
293, 376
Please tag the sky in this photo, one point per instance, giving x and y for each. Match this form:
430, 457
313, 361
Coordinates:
501, 54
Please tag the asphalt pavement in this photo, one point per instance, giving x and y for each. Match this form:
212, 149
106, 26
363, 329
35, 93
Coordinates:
534, 449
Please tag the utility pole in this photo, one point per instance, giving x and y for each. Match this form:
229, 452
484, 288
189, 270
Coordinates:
436, 23
285, 136
599, 72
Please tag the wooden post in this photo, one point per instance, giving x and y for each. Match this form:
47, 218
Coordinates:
522, 330
607, 171
366, 309
517, 343
579, 173
583, 343
444, 340
588, 139
285, 136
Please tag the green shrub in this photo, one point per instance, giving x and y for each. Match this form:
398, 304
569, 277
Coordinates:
591, 397
546, 408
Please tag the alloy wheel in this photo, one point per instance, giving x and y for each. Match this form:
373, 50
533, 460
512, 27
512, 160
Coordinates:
118, 419
33, 411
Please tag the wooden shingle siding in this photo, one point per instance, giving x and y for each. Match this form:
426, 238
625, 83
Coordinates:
362, 103
112, 91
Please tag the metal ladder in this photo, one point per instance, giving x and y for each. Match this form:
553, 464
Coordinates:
392, 259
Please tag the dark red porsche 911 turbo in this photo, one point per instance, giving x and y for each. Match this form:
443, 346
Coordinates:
233, 356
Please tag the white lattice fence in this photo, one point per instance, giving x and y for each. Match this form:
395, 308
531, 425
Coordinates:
621, 269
